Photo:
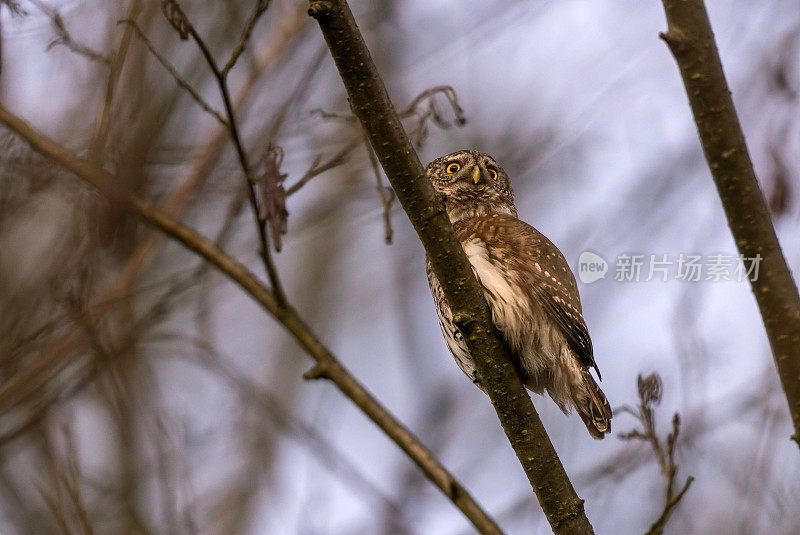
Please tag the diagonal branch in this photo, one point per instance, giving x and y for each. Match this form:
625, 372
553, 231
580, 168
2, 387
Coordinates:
261, 7
691, 41
183, 84
318, 166
327, 364
22, 387
657, 528
63, 36
103, 121
371, 104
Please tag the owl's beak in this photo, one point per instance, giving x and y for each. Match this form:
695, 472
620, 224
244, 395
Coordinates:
476, 174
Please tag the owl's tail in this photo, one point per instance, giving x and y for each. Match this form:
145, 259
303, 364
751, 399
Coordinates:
593, 407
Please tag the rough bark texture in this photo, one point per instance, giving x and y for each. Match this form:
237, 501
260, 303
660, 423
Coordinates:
371, 104
691, 41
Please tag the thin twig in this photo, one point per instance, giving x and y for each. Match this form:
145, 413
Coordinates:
657, 528
261, 7
102, 124
650, 390
32, 380
13, 7
318, 167
344, 117
445, 90
186, 86
64, 38
385, 194
285, 315
418, 134
420, 130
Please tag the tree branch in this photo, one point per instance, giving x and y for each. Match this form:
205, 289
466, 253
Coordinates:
261, 7
386, 195
371, 104
24, 385
285, 315
650, 389
63, 36
177, 18
103, 122
691, 41
183, 84
318, 166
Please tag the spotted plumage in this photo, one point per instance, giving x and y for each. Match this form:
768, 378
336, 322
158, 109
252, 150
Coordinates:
528, 284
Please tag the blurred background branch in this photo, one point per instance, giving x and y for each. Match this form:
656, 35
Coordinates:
326, 366
178, 19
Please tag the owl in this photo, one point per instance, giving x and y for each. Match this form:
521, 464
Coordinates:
528, 284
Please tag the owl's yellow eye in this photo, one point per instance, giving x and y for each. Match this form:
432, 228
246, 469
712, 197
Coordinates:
493, 174
453, 168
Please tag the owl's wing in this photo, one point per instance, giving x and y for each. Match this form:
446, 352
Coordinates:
542, 271
555, 289
557, 304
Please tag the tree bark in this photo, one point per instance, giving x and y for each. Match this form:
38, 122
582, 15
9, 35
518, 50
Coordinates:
691, 41
371, 104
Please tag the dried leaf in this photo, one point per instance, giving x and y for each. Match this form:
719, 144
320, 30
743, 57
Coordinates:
649, 389
177, 18
271, 196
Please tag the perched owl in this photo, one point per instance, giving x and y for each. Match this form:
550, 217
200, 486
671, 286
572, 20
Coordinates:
530, 289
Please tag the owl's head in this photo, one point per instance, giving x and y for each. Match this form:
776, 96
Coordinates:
471, 183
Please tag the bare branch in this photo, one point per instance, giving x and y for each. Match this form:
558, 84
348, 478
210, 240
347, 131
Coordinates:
64, 500
658, 526
650, 389
33, 379
386, 195
14, 7
175, 75
285, 315
318, 167
180, 22
103, 122
64, 38
691, 41
419, 133
261, 7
